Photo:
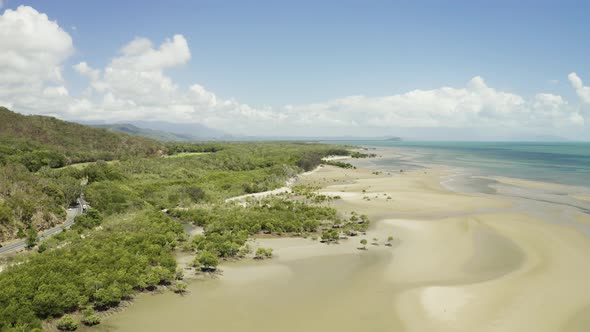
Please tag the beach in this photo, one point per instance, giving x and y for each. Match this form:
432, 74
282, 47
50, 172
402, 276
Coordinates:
459, 262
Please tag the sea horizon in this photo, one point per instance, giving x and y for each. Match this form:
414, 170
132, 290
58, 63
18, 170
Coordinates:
566, 163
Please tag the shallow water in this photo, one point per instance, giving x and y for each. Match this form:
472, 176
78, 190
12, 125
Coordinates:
558, 162
345, 292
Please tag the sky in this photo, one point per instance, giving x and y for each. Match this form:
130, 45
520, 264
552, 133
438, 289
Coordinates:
457, 70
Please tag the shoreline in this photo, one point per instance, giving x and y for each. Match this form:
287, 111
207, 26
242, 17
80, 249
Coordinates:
460, 261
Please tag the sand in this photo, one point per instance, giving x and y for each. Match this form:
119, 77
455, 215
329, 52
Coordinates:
471, 264
459, 262
582, 197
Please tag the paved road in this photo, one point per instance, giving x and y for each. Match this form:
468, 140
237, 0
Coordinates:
20, 245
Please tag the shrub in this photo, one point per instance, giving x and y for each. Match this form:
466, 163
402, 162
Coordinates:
207, 260
89, 317
262, 253
67, 323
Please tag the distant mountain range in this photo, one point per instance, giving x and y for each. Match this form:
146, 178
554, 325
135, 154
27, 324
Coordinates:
187, 132
149, 133
318, 138
165, 131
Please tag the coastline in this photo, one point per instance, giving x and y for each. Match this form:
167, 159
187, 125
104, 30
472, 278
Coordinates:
459, 262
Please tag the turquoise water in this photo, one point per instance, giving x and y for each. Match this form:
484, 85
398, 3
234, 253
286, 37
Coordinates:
565, 163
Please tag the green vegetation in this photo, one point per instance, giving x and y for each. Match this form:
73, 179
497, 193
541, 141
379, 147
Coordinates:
34, 202
125, 243
362, 155
364, 244
32, 195
389, 241
130, 253
262, 253
180, 287
67, 323
31, 239
331, 235
269, 215
207, 261
186, 154
338, 164
228, 226
89, 317
36, 141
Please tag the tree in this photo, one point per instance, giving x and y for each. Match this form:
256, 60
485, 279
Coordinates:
42, 247
5, 214
31, 239
364, 243
107, 296
89, 317
196, 194
67, 323
208, 261
375, 241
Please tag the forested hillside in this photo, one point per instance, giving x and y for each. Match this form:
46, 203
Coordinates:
91, 267
32, 198
36, 141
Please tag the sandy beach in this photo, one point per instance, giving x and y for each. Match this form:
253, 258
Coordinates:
459, 262
469, 263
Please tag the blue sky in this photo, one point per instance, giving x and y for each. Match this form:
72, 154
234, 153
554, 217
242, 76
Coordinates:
268, 54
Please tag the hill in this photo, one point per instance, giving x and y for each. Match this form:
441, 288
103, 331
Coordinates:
37, 141
194, 131
149, 133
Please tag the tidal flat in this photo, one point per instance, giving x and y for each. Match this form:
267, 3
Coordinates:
459, 262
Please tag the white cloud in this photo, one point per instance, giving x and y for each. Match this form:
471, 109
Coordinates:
582, 91
475, 105
84, 69
140, 55
56, 91
33, 47
135, 85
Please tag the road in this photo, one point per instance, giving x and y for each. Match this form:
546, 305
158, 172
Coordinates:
20, 245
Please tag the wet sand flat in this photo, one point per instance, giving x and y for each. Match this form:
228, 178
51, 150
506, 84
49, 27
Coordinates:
459, 262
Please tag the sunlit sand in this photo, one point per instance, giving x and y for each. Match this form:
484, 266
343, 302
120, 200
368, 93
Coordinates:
459, 262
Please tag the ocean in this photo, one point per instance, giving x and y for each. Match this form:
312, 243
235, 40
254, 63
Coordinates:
564, 163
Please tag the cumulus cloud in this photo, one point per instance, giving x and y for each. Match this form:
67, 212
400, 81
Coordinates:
582, 91
33, 51
135, 85
140, 54
475, 105
85, 70
33, 47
